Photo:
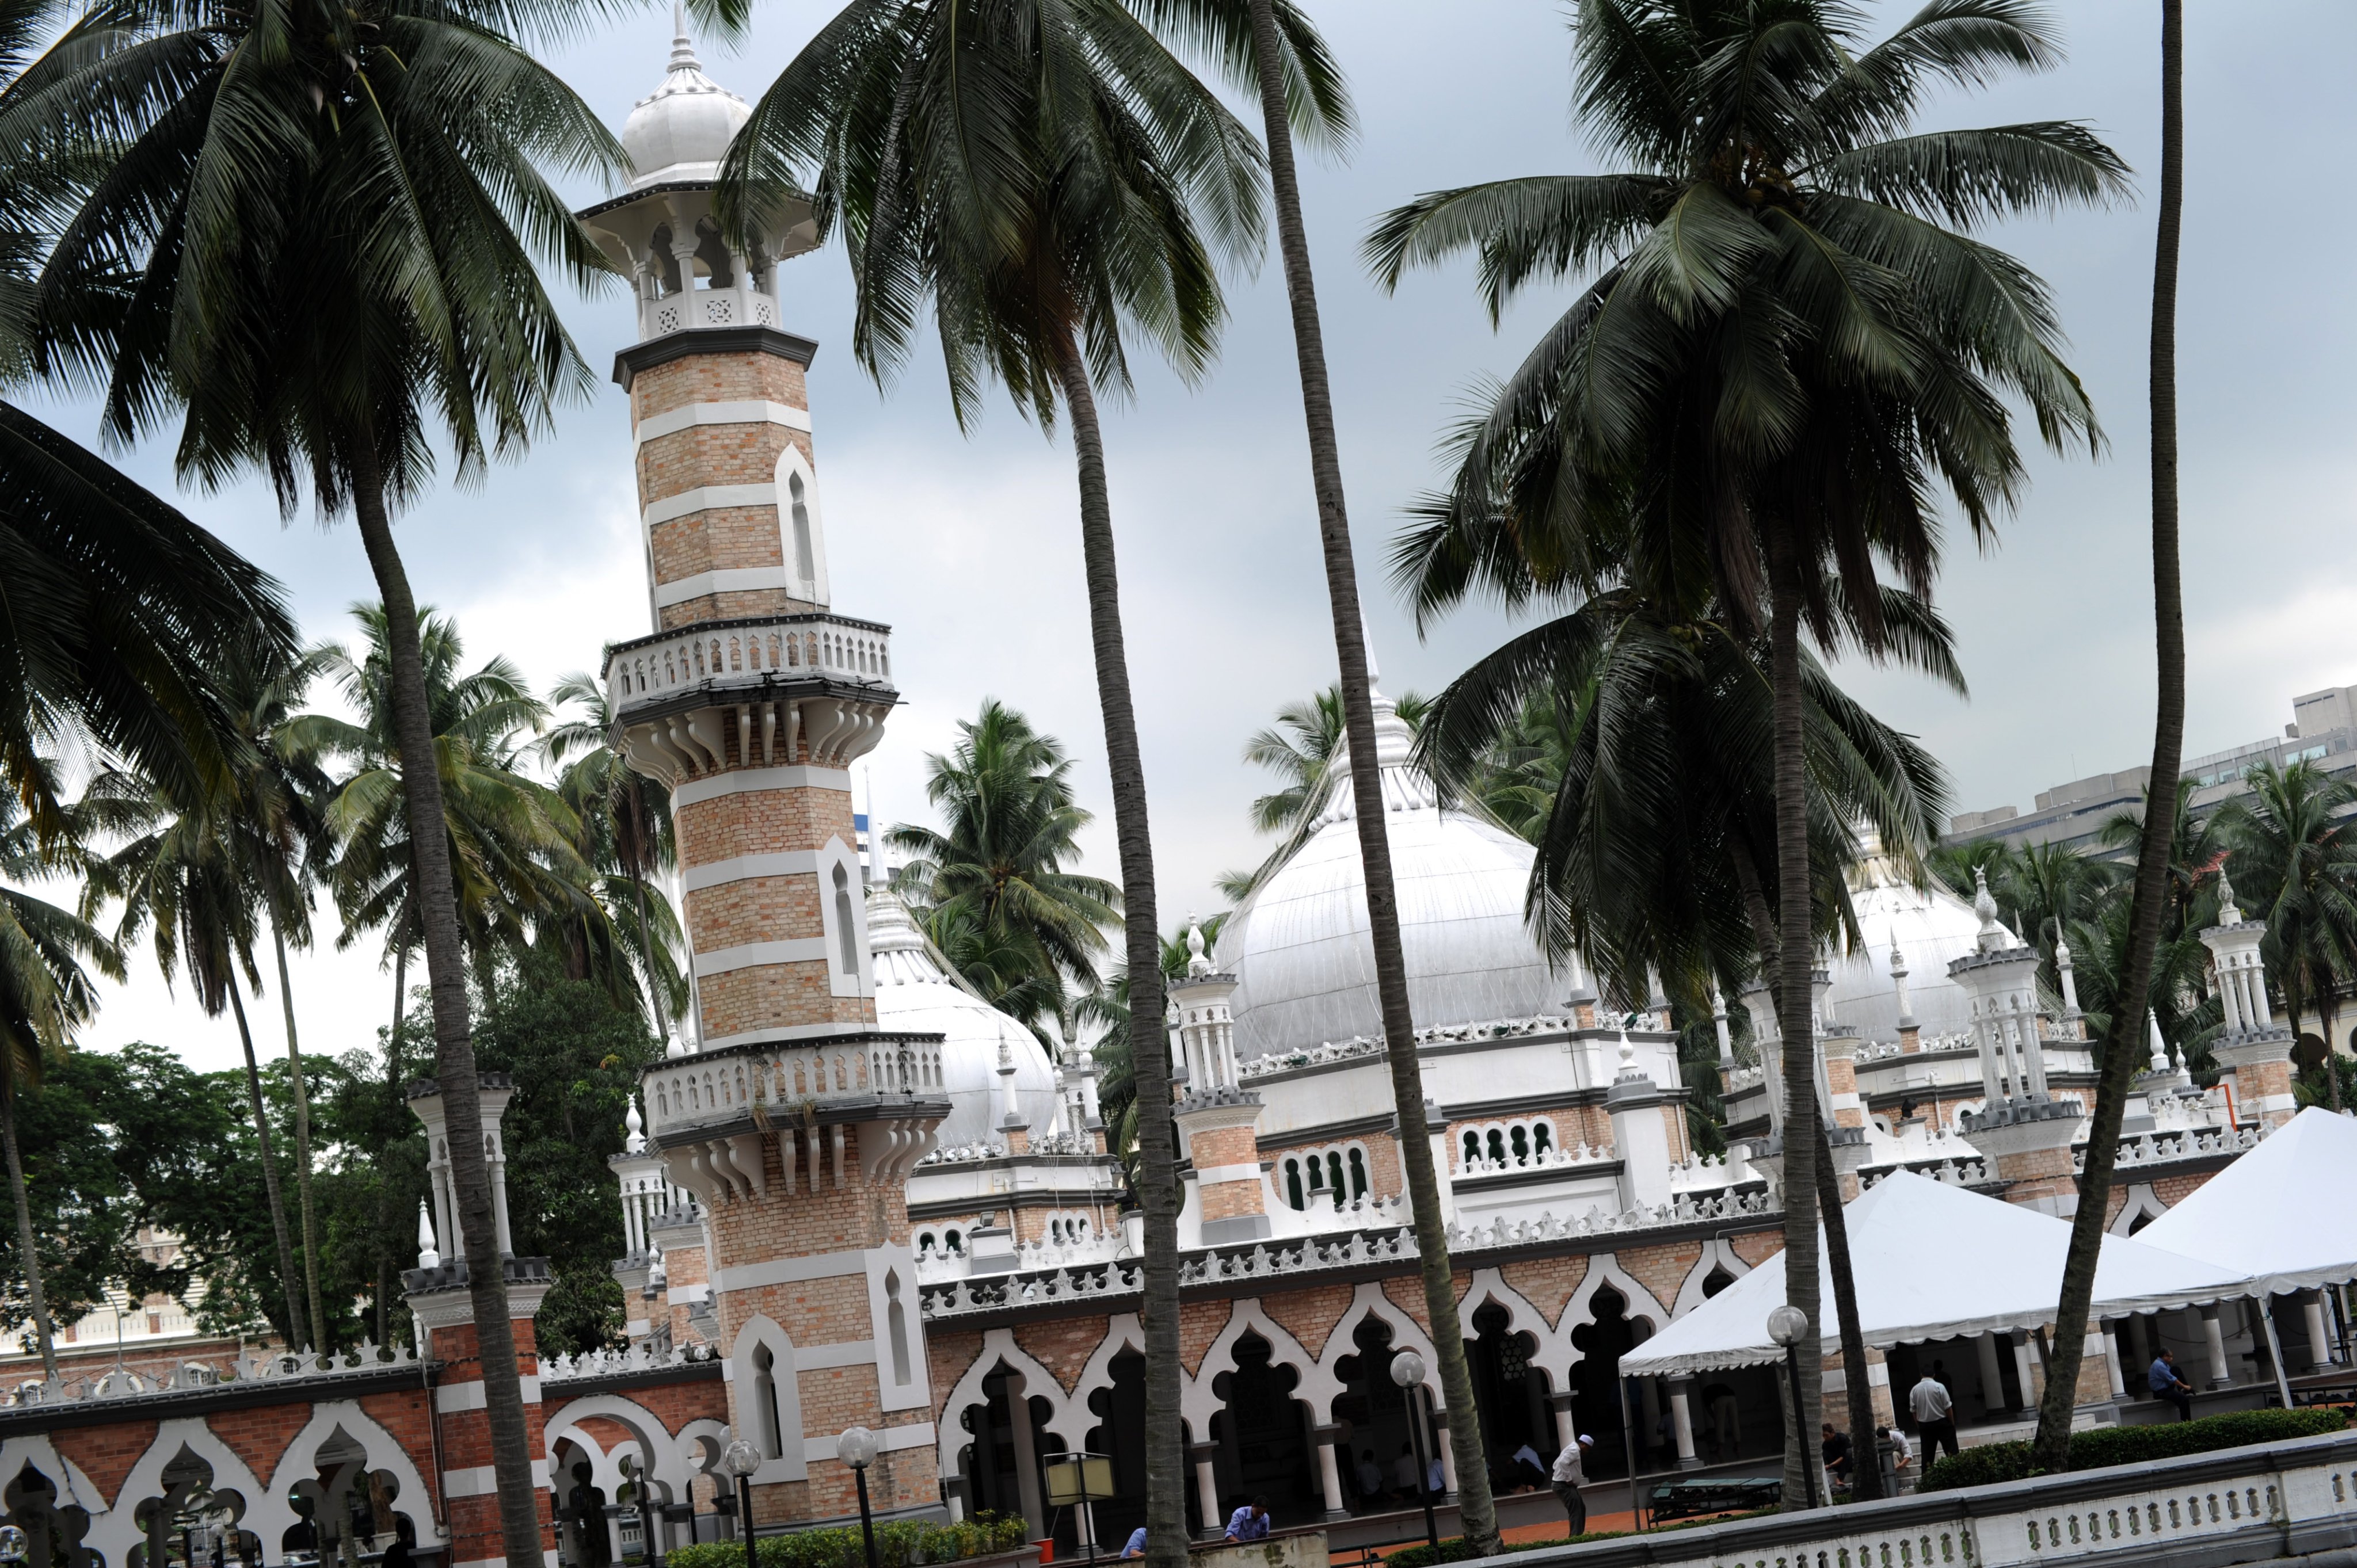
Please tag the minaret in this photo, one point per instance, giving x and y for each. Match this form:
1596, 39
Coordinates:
1217, 1115
2252, 1043
797, 1123
2022, 1131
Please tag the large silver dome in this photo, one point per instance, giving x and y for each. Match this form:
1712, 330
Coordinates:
1299, 946
682, 130
914, 993
1929, 926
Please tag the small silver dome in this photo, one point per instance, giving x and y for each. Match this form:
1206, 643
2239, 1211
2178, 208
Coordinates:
681, 131
1930, 927
914, 993
1300, 948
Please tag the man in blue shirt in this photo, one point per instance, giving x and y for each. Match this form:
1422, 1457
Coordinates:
1136, 1547
1250, 1522
2168, 1385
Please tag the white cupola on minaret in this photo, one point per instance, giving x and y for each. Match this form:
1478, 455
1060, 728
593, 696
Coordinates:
661, 232
2251, 1043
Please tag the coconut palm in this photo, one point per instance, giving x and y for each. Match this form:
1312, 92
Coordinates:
1790, 340
2194, 856
45, 994
2293, 860
1050, 183
2153, 897
332, 213
1300, 748
112, 604
626, 839
992, 892
182, 875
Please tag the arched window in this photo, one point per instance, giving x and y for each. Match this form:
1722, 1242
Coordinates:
805, 560
953, 1244
1357, 1172
846, 938
1293, 1184
765, 1402
896, 1321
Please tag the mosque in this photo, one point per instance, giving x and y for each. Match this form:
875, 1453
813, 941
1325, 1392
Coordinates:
868, 1198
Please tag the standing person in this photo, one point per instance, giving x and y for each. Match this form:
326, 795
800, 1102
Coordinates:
1568, 1476
1726, 1422
1405, 1479
2168, 1385
1369, 1478
1935, 1412
1436, 1477
1250, 1522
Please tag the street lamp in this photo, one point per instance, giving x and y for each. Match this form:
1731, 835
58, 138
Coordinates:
1788, 1325
1407, 1371
741, 1461
857, 1447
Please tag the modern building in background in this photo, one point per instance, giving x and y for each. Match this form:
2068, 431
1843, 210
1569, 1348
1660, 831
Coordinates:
2323, 730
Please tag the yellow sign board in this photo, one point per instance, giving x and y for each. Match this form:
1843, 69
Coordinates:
1078, 1479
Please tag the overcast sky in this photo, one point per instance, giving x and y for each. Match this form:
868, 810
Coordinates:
968, 546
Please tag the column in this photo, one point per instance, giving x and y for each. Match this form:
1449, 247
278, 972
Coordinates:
2320, 1347
1447, 1451
1027, 1458
1329, 1474
2023, 1368
2111, 1338
1682, 1422
1992, 1382
1207, 1491
2213, 1339
2139, 1349
1566, 1433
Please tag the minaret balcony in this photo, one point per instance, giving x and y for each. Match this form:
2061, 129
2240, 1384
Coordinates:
759, 691
700, 308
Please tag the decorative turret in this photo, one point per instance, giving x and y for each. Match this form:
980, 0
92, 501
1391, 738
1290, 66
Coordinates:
2251, 1043
1217, 1116
2021, 1129
1910, 1032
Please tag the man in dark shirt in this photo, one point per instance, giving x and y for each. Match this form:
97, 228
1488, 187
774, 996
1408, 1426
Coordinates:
1836, 1450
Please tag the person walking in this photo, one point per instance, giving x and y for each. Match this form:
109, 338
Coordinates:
1567, 1477
2168, 1385
1936, 1415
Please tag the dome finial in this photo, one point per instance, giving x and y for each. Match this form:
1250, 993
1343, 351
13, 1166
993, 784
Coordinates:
427, 1257
635, 1126
1198, 965
683, 49
2229, 914
1992, 935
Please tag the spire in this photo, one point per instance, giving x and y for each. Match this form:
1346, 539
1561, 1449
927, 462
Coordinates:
428, 1257
1899, 982
2228, 913
1196, 964
1992, 935
682, 48
635, 1126
2159, 1045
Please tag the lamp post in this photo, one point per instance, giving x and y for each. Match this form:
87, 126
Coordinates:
1788, 1325
1407, 1371
740, 1461
857, 1447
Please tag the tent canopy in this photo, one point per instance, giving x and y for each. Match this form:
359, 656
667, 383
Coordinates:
1933, 1262
2280, 1215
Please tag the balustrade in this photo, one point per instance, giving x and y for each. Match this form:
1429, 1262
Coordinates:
723, 1085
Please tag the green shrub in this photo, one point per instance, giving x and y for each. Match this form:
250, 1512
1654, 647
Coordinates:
2103, 1445
903, 1543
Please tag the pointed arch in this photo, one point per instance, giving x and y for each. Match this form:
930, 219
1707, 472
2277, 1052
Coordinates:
1603, 1269
2141, 1206
1199, 1398
113, 1525
1717, 1254
764, 1386
999, 1345
1123, 1332
801, 530
1553, 1354
664, 1455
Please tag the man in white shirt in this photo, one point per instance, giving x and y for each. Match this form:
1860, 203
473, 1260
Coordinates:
1567, 1477
1369, 1478
1936, 1415
1403, 1474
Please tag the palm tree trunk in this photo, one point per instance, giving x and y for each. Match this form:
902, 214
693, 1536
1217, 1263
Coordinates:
2326, 1014
297, 1332
1866, 1463
2120, 1055
400, 986
453, 1052
1794, 1023
302, 1131
1149, 1050
35, 1295
1477, 1510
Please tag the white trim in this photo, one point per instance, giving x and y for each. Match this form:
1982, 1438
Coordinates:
452, 1398
672, 421
549, 1559
917, 1435
1209, 1175
705, 498
850, 1353
790, 1271
730, 580
745, 780
835, 859
780, 1034
482, 1480
753, 955
745, 867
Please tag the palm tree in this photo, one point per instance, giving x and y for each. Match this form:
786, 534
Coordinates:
181, 874
1789, 343
44, 996
509, 839
2050, 1447
1300, 748
112, 604
626, 838
992, 891
277, 835
2293, 858
2194, 856
334, 210
1051, 181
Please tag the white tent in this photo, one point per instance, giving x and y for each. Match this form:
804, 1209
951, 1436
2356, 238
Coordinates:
1933, 1262
2280, 1216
